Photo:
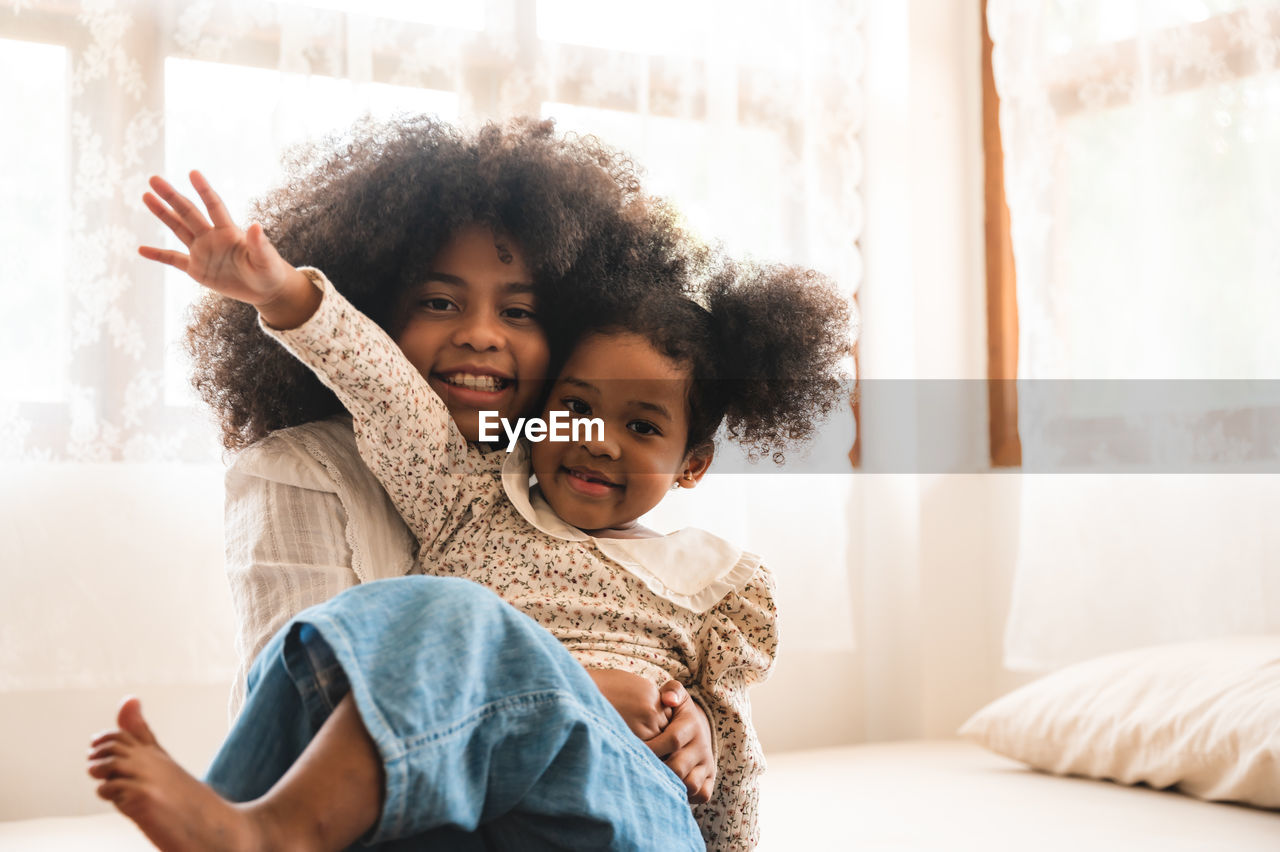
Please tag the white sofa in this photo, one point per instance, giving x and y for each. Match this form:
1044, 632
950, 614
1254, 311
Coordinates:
919, 796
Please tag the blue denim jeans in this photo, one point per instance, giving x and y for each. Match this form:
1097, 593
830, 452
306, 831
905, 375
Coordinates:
491, 735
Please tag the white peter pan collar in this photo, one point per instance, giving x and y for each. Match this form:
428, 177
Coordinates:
690, 567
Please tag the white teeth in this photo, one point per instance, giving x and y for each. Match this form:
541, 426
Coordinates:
589, 478
474, 382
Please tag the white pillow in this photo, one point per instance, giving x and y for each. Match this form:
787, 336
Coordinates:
1203, 716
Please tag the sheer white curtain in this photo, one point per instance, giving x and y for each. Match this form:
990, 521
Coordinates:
1140, 140
746, 114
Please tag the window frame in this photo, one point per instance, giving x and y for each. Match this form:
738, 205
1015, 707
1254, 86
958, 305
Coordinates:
1001, 279
1074, 71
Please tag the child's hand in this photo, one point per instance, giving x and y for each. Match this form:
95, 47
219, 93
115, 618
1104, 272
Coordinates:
240, 265
636, 700
685, 744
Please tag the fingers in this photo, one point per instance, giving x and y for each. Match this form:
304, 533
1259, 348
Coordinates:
647, 725
700, 782
702, 793
212, 202
673, 693
683, 729
682, 764
164, 214
262, 253
176, 259
697, 774
663, 745
674, 737
186, 212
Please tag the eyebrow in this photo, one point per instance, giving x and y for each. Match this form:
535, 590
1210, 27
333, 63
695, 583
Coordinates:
570, 380
510, 286
638, 403
652, 406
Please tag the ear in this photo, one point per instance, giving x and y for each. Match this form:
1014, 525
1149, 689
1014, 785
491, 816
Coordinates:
694, 467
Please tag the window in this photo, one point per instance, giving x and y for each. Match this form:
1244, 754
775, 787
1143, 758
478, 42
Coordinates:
745, 115
1143, 190
33, 182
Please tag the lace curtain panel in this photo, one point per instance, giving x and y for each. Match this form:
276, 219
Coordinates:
746, 114
1144, 192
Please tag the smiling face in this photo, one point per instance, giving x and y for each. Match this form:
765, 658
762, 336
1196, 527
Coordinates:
471, 330
640, 394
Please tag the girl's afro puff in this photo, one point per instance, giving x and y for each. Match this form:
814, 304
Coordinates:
782, 334
372, 208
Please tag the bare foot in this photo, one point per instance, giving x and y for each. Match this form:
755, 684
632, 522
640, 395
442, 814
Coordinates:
176, 811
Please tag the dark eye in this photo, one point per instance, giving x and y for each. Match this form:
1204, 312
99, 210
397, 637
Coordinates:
643, 427
576, 406
519, 314
437, 303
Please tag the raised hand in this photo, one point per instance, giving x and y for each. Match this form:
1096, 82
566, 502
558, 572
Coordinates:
241, 265
685, 743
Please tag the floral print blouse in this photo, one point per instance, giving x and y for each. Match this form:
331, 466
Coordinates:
613, 603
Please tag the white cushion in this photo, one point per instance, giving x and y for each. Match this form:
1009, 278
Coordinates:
1202, 716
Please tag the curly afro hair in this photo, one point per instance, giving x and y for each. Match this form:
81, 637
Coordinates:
373, 207
765, 344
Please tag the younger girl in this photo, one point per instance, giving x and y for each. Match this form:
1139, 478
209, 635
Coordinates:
662, 372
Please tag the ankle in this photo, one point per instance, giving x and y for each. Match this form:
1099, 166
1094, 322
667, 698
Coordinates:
270, 831
281, 826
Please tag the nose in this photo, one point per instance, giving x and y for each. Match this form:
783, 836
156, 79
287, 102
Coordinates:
479, 330
606, 447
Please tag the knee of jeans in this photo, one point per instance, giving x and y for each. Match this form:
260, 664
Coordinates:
477, 609
427, 593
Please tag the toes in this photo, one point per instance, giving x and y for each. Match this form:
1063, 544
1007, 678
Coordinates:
110, 737
128, 795
114, 790
104, 769
130, 720
109, 749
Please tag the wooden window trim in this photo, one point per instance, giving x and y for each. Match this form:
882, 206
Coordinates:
1002, 298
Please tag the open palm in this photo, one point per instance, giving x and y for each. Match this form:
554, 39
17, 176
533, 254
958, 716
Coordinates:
239, 264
